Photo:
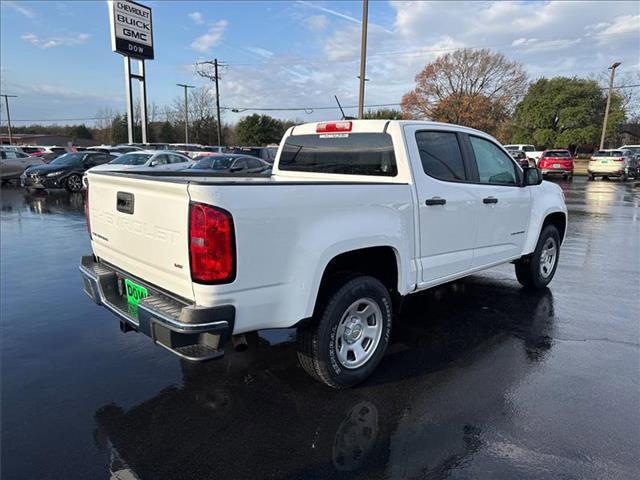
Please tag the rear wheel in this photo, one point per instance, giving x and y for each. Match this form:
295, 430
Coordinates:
349, 334
73, 183
537, 270
624, 177
591, 177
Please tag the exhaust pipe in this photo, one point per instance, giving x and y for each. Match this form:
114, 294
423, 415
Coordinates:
239, 343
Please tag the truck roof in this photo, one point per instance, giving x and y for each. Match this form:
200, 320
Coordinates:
374, 126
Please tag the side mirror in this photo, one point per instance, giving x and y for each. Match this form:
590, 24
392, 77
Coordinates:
153, 163
531, 176
236, 169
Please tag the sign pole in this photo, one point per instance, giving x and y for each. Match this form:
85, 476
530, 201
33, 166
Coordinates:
142, 77
129, 97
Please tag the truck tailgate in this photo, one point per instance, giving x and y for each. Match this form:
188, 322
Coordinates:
140, 226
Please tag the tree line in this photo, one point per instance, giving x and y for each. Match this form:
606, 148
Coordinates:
476, 88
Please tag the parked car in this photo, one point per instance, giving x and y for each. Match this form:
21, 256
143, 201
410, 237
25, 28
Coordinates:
42, 150
13, 163
356, 215
214, 149
229, 163
190, 150
530, 150
268, 154
635, 149
556, 162
119, 149
613, 163
64, 172
144, 158
521, 157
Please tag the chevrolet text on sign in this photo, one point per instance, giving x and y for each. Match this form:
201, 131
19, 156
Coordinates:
131, 29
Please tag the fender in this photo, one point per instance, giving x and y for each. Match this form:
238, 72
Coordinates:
547, 198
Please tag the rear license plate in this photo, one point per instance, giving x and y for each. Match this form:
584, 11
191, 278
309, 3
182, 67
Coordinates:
556, 165
135, 292
604, 161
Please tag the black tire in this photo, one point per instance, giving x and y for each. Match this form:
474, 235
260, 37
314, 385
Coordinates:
317, 342
73, 183
529, 270
591, 177
624, 177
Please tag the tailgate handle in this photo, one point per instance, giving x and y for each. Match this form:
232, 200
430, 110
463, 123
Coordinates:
125, 202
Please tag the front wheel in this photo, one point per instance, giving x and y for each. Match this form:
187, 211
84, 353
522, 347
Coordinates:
349, 334
537, 270
73, 183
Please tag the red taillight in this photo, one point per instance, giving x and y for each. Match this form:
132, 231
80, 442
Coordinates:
211, 244
621, 159
333, 127
86, 209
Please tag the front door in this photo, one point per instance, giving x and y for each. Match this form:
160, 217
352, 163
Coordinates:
447, 215
503, 206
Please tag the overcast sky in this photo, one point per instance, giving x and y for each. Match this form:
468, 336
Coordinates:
56, 56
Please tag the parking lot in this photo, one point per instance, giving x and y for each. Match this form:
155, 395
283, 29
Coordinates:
483, 379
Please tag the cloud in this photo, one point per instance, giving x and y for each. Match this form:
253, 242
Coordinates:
20, 8
197, 18
316, 23
619, 25
262, 52
205, 42
52, 42
330, 12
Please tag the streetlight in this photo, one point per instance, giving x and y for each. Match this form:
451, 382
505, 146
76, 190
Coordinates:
186, 111
363, 57
606, 110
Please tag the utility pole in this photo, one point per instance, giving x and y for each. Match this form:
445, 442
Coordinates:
363, 56
186, 110
214, 77
606, 110
6, 102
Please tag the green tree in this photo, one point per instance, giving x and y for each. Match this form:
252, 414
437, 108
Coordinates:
81, 131
119, 130
565, 112
383, 114
167, 132
259, 130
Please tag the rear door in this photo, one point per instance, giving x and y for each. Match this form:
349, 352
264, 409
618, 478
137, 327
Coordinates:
447, 207
503, 207
140, 226
10, 165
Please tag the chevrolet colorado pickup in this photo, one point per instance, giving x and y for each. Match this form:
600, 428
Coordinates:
356, 215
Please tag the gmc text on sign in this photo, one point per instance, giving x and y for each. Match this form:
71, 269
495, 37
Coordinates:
131, 29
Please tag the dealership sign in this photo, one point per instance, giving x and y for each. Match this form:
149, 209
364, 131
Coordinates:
131, 29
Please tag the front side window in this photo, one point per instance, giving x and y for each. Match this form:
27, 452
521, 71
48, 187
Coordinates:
528, 148
340, 153
494, 166
440, 155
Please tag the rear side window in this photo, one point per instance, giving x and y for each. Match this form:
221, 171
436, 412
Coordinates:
341, 153
440, 155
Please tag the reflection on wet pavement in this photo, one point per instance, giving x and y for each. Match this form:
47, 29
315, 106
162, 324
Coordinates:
482, 380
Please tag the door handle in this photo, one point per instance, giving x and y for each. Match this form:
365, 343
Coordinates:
490, 200
435, 201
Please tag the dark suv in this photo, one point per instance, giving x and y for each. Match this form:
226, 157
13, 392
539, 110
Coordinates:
64, 172
268, 154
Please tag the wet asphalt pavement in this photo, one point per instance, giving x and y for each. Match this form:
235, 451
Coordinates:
482, 380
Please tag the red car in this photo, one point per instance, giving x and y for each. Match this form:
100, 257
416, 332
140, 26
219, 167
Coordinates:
556, 162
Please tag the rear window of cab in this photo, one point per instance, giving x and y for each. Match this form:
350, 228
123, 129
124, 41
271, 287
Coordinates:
340, 153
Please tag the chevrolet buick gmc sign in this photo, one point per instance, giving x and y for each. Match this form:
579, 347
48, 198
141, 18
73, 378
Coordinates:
131, 29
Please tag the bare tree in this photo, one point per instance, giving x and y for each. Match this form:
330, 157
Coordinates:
477, 88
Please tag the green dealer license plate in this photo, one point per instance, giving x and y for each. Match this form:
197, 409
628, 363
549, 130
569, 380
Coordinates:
135, 292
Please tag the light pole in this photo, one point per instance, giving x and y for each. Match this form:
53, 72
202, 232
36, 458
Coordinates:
6, 102
186, 111
363, 56
606, 110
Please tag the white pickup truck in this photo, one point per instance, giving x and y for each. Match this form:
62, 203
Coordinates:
529, 150
356, 215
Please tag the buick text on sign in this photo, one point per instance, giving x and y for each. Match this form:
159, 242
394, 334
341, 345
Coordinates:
131, 29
